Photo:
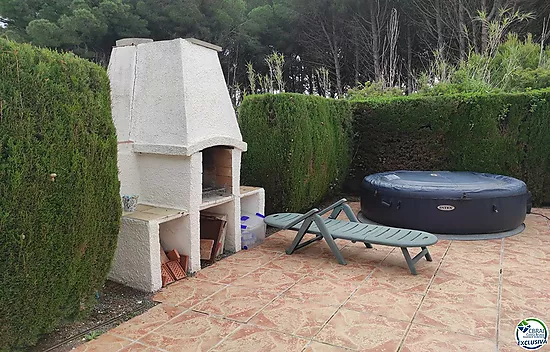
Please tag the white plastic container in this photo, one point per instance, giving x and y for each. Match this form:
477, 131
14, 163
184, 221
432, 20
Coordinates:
253, 230
248, 240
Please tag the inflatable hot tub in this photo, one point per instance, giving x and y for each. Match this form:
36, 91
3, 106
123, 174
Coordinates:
443, 202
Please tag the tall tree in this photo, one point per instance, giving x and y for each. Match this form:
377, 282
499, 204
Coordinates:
353, 39
87, 27
322, 25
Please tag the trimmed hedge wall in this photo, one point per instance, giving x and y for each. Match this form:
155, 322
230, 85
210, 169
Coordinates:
298, 147
504, 134
57, 238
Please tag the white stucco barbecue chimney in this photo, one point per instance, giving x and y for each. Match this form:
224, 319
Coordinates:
179, 141
178, 99
180, 102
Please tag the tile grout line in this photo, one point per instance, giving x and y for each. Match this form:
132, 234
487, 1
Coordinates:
240, 277
247, 322
115, 335
260, 310
349, 297
337, 307
455, 332
160, 326
228, 335
146, 345
132, 341
340, 307
186, 309
224, 286
311, 339
190, 309
499, 293
423, 298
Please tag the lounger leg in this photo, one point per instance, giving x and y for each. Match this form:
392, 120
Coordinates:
330, 241
299, 236
428, 255
351, 216
412, 261
409, 260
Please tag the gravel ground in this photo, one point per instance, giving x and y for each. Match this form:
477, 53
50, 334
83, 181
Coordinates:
116, 304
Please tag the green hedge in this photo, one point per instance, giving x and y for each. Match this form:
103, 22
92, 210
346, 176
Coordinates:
57, 239
298, 147
505, 134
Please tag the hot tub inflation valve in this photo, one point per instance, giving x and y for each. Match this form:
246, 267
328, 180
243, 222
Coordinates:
495, 209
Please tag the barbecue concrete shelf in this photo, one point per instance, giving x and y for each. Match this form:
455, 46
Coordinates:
247, 191
137, 258
154, 214
214, 201
252, 200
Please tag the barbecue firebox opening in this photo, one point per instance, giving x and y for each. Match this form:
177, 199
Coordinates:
216, 171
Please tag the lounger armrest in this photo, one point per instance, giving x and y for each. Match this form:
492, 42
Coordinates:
301, 218
333, 206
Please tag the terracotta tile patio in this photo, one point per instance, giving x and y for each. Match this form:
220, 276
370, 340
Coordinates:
470, 298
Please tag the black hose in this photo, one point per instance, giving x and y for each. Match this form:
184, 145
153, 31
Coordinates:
544, 216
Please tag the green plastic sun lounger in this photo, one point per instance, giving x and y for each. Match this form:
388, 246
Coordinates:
330, 229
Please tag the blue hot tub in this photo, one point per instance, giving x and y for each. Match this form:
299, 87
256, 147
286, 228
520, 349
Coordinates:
445, 202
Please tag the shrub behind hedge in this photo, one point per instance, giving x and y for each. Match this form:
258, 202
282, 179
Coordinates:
57, 239
502, 133
298, 147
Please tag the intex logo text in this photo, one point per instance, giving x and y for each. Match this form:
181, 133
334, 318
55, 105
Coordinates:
446, 207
